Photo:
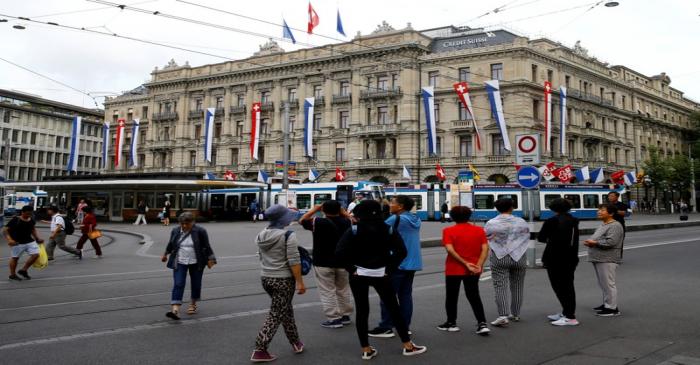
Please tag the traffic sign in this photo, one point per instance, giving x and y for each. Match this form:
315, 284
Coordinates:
527, 149
465, 175
528, 177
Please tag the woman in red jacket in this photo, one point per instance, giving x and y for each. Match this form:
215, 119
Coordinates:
89, 223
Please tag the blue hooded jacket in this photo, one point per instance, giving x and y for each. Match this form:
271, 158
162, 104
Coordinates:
409, 229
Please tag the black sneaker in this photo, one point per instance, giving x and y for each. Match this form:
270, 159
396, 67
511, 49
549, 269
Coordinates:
599, 308
24, 274
483, 329
607, 312
345, 320
448, 326
415, 350
369, 355
381, 333
80, 254
15, 277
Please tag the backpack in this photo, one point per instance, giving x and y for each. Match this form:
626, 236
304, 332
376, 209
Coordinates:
304, 255
69, 228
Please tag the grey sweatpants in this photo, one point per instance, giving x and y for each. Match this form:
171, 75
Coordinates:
606, 272
60, 241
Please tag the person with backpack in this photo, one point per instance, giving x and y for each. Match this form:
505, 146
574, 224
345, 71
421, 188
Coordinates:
281, 274
59, 230
371, 252
89, 224
331, 277
21, 236
141, 210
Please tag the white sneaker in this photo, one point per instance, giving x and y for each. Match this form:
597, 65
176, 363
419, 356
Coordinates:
500, 321
555, 317
563, 321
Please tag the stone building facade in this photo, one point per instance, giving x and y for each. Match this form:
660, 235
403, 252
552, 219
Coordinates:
36, 138
369, 119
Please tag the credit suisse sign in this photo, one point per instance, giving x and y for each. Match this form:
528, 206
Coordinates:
482, 39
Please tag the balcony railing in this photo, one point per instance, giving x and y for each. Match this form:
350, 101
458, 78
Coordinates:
378, 94
237, 109
196, 114
293, 104
339, 99
267, 106
319, 101
462, 124
499, 159
220, 112
377, 129
164, 116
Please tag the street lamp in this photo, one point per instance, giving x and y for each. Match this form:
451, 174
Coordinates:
611, 4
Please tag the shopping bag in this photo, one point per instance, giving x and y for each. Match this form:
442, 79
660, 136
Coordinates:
43, 261
94, 234
260, 216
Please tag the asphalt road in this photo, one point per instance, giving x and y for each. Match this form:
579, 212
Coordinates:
111, 311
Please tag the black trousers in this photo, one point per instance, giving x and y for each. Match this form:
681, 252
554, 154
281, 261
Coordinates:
471, 289
562, 280
360, 291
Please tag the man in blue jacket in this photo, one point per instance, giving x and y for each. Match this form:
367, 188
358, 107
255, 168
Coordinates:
402, 279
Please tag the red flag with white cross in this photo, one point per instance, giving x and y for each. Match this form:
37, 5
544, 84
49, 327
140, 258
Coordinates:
440, 172
313, 19
340, 175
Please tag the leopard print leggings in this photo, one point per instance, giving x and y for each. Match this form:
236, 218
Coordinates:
281, 290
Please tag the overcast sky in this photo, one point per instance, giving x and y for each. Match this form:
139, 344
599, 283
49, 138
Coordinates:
649, 36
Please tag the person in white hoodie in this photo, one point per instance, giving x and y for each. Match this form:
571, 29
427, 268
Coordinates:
281, 273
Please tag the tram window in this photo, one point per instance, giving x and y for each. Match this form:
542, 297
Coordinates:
303, 201
483, 201
148, 198
188, 200
512, 197
590, 201
417, 199
129, 199
321, 198
217, 201
549, 197
575, 200
248, 198
160, 200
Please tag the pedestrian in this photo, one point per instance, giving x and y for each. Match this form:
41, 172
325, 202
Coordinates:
254, 209
79, 211
166, 212
189, 251
370, 252
508, 237
22, 237
141, 210
386, 208
605, 252
358, 199
408, 226
467, 249
443, 212
281, 273
331, 278
89, 224
58, 234
560, 258
614, 199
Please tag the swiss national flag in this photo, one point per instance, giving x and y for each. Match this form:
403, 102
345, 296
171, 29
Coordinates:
313, 19
229, 175
618, 177
440, 172
340, 175
564, 174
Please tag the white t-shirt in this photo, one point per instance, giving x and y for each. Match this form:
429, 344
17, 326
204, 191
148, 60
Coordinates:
55, 221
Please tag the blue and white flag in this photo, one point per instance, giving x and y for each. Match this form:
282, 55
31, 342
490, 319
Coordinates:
208, 133
287, 33
494, 93
262, 177
582, 174
597, 176
74, 145
631, 178
313, 175
309, 127
209, 176
339, 25
133, 157
429, 107
105, 144
562, 124
406, 173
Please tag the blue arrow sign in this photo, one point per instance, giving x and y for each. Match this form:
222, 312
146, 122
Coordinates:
528, 177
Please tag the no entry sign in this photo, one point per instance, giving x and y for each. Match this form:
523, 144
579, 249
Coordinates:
527, 149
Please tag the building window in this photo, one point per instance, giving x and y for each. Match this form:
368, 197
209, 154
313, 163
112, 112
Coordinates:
66, 141
382, 115
369, 116
213, 157
383, 83
534, 73
22, 155
166, 133
381, 148
240, 100
264, 127
344, 88
433, 78
497, 71
217, 130
292, 122
463, 112
569, 116
464, 73
536, 109
239, 128
234, 156
13, 155
318, 91
437, 113
40, 158
317, 121
193, 158
343, 117
624, 126
567, 81
497, 146
395, 81
33, 138
15, 136
292, 94
624, 101
219, 102
571, 151
550, 75
197, 132
261, 154
465, 146
265, 97
32, 155
198, 105
340, 152
144, 112
59, 139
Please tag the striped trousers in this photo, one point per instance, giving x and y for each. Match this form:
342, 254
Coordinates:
506, 274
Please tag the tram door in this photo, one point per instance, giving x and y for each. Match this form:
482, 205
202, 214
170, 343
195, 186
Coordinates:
117, 203
443, 198
232, 207
431, 202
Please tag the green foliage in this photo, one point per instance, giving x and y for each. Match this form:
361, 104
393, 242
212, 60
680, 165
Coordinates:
657, 169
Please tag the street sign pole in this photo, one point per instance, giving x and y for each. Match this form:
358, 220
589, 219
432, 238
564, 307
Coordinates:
529, 178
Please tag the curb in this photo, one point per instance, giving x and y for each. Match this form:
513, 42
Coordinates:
144, 238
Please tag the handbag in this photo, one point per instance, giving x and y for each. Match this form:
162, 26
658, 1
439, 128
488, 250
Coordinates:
94, 234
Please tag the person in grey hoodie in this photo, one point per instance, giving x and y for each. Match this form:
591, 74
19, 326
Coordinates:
281, 272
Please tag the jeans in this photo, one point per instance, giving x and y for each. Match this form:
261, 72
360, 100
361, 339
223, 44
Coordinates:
471, 289
562, 279
402, 283
360, 290
180, 279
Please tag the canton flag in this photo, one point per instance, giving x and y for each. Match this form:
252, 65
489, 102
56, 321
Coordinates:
74, 145
429, 107
309, 127
208, 133
262, 177
494, 93
133, 157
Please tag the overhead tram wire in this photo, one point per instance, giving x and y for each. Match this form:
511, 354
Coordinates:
86, 10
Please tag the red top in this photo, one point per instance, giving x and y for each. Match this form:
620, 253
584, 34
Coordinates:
88, 220
467, 240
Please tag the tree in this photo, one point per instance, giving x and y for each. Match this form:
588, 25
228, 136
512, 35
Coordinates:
656, 168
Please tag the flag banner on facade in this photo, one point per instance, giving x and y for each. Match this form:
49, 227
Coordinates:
494, 92
74, 145
279, 168
563, 121
313, 19
429, 108
406, 173
229, 175
339, 25
119, 142
564, 174
340, 175
597, 176
313, 175
618, 177
287, 33
462, 90
477, 177
582, 174
547, 117
291, 168
133, 149
209, 176
630, 178
262, 177
255, 131
440, 172
208, 133
105, 144
546, 171
309, 127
